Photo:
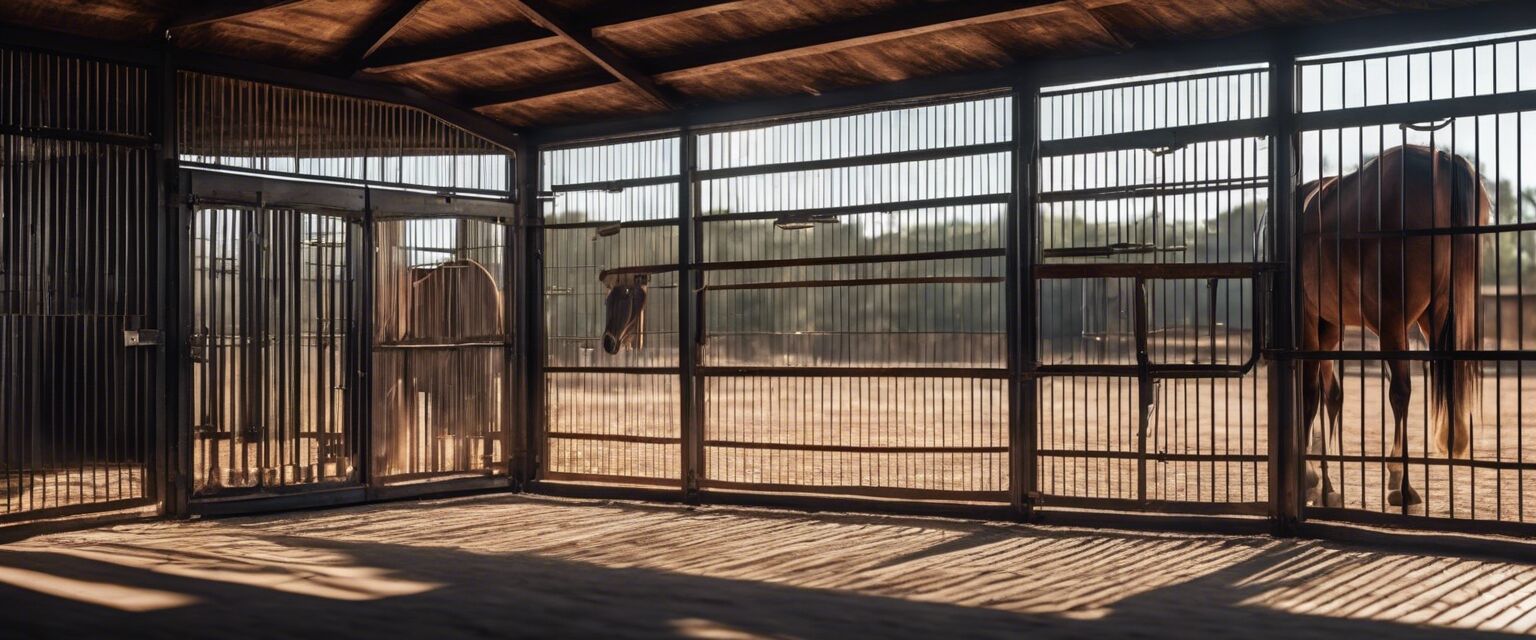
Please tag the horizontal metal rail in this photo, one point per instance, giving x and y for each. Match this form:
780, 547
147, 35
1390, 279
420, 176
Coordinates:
832, 448
1410, 51
568, 476
1154, 191
894, 493
614, 437
1411, 112
612, 186
626, 370
879, 207
1425, 232
1157, 506
1150, 455
600, 224
740, 265
1168, 138
1146, 82
1465, 463
983, 373
1175, 371
74, 135
1366, 355
894, 157
854, 282
1155, 271
355, 182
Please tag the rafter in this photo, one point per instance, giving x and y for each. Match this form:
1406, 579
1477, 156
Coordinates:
604, 56
896, 24
525, 36
376, 32
570, 84
906, 22
210, 11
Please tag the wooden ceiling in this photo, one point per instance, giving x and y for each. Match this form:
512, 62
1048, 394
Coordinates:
538, 62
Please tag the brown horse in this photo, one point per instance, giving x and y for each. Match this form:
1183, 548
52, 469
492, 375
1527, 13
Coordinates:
625, 310
1362, 265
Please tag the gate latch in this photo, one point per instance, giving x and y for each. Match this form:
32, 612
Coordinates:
141, 337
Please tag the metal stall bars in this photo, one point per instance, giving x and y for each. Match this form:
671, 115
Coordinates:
273, 348
611, 217
1414, 301
286, 290
851, 308
441, 343
1151, 204
77, 390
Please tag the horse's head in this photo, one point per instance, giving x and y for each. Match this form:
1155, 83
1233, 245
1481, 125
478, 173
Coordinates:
626, 311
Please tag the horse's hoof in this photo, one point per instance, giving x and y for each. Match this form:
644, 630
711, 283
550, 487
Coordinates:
1333, 499
1314, 494
1395, 498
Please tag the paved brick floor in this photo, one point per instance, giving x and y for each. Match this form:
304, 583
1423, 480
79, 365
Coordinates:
531, 566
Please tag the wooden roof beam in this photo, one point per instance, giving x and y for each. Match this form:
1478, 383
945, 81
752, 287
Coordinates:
601, 54
901, 23
528, 36
211, 11
376, 32
570, 84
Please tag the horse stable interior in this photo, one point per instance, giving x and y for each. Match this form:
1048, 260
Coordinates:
1253, 265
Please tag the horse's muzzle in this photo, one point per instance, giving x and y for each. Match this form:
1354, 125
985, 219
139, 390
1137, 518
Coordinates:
610, 344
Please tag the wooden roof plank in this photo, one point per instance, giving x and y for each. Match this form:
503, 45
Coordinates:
601, 54
501, 38
478, 100
210, 11
896, 24
906, 22
511, 37
379, 30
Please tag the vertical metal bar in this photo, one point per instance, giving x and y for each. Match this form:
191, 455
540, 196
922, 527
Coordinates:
174, 415
515, 392
533, 352
688, 283
1285, 450
361, 339
1021, 317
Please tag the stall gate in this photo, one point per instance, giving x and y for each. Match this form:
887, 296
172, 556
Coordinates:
1416, 314
78, 292
613, 417
1150, 256
273, 344
851, 303
440, 349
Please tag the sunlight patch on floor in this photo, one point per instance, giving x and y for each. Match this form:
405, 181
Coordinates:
255, 563
104, 594
1424, 590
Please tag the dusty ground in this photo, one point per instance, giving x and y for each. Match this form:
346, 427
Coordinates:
528, 566
1081, 419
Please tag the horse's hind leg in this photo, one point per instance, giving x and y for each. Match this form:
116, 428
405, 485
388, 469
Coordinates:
1333, 409
1332, 398
1311, 395
1400, 493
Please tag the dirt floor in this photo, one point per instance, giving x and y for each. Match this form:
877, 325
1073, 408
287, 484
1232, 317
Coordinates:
524, 566
1088, 431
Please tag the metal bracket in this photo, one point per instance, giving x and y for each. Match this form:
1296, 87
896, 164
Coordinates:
141, 337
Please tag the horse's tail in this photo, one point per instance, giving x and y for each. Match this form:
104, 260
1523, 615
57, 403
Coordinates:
1457, 383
